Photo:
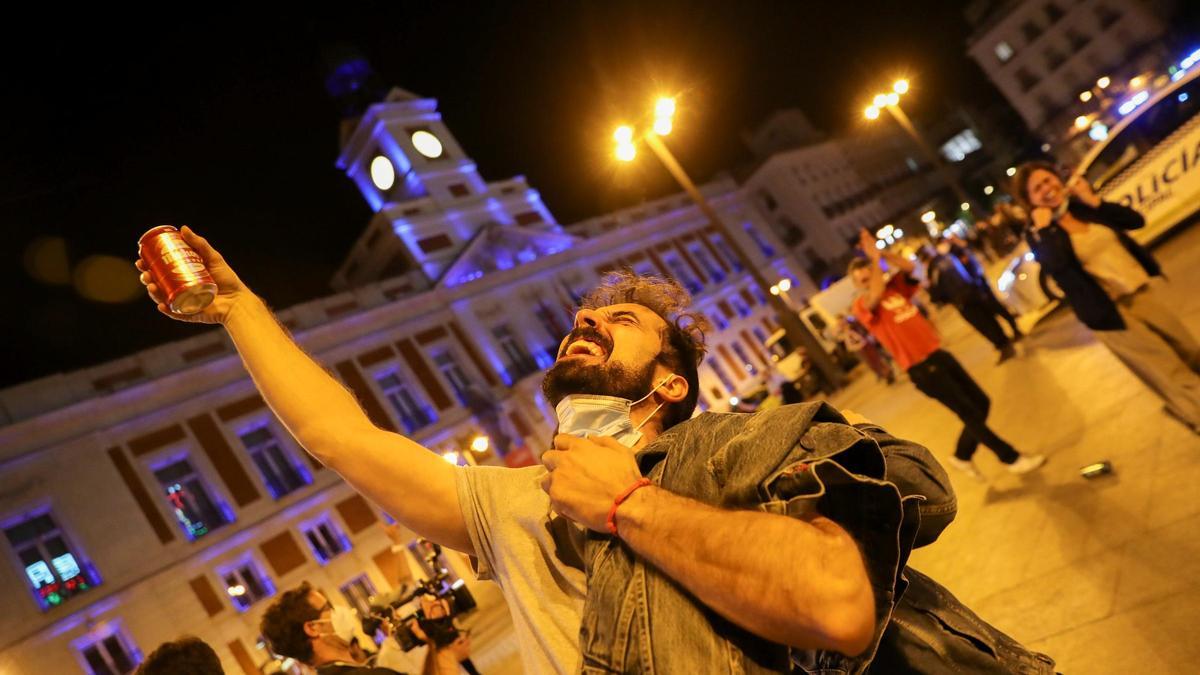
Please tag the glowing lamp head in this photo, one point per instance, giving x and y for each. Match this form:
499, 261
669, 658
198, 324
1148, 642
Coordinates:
480, 444
775, 289
892, 98
880, 100
785, 285
872, 112
965, 206
733, 400
626, 152
1010, 171
623, 134
1104, 82
662, 126
928, 217
383, 174
1081, 122
427, 144
451, 457
900, 87
1085, 96
988, 189
664, 107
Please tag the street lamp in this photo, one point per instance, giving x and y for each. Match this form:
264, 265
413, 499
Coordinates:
664, 112
480, 444
891, 103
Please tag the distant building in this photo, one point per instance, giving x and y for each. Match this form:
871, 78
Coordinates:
156, 494
818, 191
1042, 54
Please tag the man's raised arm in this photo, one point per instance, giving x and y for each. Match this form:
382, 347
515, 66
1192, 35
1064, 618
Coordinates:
414, 485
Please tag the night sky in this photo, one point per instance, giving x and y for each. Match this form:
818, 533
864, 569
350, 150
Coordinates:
226, 125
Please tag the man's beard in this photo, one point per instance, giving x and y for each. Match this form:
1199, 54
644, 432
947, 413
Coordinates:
578, 376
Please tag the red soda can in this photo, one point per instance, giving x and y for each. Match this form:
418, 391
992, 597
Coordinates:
177, 269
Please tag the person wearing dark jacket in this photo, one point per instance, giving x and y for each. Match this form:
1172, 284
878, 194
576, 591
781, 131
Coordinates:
1112, 283
950, 281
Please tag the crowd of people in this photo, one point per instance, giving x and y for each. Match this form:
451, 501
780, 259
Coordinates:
651, 538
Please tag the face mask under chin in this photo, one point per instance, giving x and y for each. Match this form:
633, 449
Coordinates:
598, 415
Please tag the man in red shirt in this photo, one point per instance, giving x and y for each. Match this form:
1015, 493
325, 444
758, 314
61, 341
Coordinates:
884, 307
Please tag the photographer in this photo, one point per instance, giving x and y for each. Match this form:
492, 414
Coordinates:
302, 624
426, 636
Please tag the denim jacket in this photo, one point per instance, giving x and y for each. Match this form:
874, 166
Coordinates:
797, 460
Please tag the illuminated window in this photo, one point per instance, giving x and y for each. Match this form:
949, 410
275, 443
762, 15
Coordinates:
448, 365
326, 539
719, 242
278, 468
413, 414
763, 245
681, 273
962, 144
358, 592
719, 320
110, 653
520, 363
741, 352
740, 306
246, 584
194, 508
721, 375
52, 570
712, 268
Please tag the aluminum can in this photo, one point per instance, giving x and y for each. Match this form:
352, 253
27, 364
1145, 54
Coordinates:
177, 269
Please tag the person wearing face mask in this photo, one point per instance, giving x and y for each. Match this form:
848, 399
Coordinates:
1112, 283
647, 539
302, 624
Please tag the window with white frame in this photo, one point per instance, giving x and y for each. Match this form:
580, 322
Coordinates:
326, 539
747, 364
740, 306
721, 375
52, 569
682, 273
109, 652
723, 247
413, 413
449, 367
358, 592
246, 583
700, 254
279, 469
519, 362
194, 505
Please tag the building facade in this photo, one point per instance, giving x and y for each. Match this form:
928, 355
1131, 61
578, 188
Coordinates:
156, 495
1042, 54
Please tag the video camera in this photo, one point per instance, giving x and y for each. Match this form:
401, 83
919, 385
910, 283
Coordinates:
443, 599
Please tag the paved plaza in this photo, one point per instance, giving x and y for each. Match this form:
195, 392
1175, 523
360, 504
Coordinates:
1103, 574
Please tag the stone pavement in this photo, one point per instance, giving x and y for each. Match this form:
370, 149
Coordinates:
1103, 575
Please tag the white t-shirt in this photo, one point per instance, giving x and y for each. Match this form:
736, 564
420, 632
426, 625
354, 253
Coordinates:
534, 554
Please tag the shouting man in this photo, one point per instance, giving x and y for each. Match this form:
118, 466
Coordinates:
648, 541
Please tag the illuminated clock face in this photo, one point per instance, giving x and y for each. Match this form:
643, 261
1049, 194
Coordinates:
427, 144
383, 174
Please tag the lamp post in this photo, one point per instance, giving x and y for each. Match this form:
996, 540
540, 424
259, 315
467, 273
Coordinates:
797, 333
891, 103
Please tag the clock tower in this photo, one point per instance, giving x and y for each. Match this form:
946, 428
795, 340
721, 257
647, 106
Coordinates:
428, 197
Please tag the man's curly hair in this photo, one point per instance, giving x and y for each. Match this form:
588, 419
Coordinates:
683, 346
283, 624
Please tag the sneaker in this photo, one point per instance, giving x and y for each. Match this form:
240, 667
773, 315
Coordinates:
966, 466
1007, 353
1027, 463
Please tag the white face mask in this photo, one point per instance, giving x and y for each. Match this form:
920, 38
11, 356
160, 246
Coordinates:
594, 415
344, 622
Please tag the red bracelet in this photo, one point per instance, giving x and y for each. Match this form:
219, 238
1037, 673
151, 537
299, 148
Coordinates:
612, 512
